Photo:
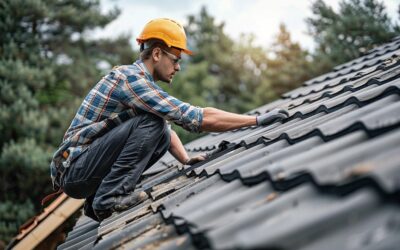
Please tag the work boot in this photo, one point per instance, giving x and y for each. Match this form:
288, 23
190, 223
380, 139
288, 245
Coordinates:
123, 202
102, 214
88, 210
127, 201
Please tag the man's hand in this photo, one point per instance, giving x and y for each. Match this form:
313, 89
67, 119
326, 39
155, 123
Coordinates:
272, 116
196, 159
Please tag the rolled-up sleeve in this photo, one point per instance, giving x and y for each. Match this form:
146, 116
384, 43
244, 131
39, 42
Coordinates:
142, 94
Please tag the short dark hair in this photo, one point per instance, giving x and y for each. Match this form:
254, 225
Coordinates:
146, 49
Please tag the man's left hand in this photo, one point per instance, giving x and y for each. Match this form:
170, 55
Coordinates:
196, 159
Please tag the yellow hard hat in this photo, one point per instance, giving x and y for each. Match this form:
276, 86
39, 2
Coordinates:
167, 30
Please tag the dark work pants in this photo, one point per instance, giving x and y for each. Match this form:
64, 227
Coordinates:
113, 163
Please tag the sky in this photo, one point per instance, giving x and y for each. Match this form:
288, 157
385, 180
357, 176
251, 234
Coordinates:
259, 17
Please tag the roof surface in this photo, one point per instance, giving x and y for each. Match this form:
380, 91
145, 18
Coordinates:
326, 178
37, 229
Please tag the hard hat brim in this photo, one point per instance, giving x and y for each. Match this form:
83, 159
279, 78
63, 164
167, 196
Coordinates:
188, 52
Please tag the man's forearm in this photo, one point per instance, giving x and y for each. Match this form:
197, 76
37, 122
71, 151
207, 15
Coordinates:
216, 120
176, 148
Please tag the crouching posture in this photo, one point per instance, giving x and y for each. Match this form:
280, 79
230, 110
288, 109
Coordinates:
120, 129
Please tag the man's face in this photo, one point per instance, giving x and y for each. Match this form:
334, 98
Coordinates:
167, 65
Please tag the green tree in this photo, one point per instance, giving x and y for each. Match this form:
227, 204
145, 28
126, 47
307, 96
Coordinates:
47, 64
222, 73
287, 66
358, 25
215, 54
251, 61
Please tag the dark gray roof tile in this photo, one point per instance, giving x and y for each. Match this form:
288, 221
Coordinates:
382, 50
167, 204
222, 211
353, 86
304, 217
81, 240
365, 74
169, 187
117, 220
332, 169
378, 59
129, 232
259, 165
325, 178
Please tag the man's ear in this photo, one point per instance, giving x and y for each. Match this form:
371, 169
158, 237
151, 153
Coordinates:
156, 54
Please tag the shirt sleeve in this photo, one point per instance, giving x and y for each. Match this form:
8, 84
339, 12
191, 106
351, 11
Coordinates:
142, 94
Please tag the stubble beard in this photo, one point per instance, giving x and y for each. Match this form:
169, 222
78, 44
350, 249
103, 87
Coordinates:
159, 77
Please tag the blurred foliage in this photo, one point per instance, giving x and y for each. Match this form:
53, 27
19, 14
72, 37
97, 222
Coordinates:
12, 216
237, 76
357, 26
48, 64
289, 66
218, 70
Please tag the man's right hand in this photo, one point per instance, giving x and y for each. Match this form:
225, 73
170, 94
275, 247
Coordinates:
274, 115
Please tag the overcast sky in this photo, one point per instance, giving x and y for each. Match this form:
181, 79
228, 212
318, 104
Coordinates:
260, 17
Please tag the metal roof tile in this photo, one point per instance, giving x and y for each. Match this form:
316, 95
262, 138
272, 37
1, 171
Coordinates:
378, 59
325, 178
304, 216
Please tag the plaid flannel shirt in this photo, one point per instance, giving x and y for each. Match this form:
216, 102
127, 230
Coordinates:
125, 92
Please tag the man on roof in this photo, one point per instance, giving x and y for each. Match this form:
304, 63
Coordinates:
120, 129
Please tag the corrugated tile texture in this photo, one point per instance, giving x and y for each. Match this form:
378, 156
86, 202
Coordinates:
326, 178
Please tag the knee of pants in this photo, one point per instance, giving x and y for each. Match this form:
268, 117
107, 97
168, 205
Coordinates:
81, 189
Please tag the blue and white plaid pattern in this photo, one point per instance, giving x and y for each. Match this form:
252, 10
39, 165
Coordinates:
125, 92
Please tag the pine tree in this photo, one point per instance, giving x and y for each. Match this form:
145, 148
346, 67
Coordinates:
222, 73
47, 63
214, 50
288, 65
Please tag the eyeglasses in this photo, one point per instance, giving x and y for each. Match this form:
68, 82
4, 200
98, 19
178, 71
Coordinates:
175, 60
